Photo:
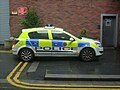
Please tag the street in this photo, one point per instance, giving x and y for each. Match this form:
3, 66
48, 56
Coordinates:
66, 72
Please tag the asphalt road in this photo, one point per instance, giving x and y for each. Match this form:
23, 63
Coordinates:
34, 72
7, 64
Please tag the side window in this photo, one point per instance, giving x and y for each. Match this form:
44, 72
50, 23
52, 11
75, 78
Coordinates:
39, 35
57, 35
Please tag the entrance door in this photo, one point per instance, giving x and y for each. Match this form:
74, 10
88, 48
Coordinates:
109, 31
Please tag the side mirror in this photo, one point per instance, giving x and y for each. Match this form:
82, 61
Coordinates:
72, 39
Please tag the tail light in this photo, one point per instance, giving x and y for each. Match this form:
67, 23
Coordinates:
15, 42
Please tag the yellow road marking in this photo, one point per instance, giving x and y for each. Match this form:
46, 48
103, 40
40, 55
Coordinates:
21, 84
18, 85
13, 71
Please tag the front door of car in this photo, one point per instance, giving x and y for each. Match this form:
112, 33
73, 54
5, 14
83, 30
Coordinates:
41, 42
62, 44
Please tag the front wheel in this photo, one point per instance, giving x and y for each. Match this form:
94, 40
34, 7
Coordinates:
26, 54
87, 54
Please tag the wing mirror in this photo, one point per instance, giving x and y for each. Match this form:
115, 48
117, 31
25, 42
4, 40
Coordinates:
72, 39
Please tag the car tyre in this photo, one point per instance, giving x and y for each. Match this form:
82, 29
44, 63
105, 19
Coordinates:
26, 54
87, 54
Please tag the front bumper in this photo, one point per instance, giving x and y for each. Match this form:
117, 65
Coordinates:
99, 51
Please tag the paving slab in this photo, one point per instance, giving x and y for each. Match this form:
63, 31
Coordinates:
81, 77
33, 67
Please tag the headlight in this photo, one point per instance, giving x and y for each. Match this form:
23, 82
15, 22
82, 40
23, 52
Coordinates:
98, 44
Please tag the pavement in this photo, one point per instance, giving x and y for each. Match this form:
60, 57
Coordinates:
2, 47
66, 73
4, 50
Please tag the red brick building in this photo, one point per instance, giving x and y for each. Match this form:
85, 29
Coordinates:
99, 17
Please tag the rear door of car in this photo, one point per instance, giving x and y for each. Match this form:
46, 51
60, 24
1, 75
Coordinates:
62, 45
41, 42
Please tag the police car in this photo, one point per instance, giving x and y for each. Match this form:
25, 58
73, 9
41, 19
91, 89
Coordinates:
55, 42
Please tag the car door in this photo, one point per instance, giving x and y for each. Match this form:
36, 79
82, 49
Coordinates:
62, 45
40, 40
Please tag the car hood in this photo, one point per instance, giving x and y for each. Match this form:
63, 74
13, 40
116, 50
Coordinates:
90, 40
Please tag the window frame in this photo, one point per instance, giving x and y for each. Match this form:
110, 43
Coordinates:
39, 33
60, 32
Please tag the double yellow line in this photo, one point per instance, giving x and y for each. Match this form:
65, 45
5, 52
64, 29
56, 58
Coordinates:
12, 78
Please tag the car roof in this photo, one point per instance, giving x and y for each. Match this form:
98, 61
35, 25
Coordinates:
40, 28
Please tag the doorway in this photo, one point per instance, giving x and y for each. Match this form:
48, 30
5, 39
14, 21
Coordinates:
109, 30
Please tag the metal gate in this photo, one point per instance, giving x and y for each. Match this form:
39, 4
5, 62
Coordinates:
4, 20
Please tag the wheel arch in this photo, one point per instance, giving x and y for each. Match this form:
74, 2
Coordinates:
25, 48
87, 54
88, 47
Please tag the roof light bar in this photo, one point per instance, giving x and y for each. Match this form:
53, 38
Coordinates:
49, 26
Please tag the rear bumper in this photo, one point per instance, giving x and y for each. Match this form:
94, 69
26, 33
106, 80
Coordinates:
14, 51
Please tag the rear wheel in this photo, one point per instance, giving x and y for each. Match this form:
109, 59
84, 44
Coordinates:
26, 54
87, 54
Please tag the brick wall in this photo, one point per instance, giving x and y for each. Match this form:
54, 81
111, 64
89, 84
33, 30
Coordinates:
73, 15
